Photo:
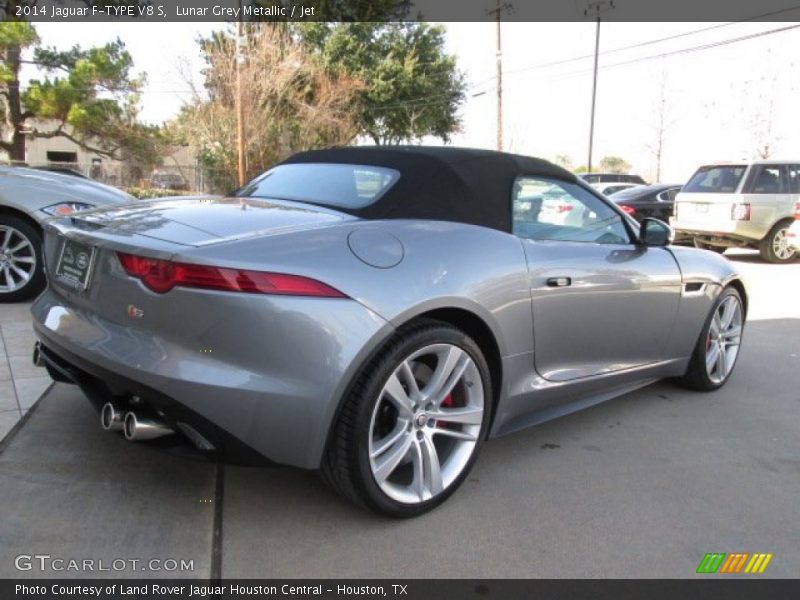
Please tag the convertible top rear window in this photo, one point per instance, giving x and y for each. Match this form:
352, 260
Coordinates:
329, 184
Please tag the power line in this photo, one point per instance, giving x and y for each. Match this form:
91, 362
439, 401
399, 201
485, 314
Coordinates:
439, 98
709, 46
424, 100
564, 61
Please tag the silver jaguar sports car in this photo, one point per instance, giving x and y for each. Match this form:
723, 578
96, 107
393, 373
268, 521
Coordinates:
377, 313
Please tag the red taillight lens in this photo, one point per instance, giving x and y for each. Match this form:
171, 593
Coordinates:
740, 212
628, 210
797, 210
163, 275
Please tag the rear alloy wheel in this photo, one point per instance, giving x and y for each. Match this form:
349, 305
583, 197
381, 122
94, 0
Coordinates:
776, 247
21, 274
702, 246
410, 432
717, 349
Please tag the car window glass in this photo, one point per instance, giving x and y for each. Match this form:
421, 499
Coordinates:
668, 195
793, 177
715, 179
767, 179
330, 184
545, 209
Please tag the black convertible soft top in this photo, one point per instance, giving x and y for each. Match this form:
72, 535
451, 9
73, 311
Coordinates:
464, 185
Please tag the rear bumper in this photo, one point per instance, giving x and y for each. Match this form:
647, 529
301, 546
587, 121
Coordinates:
735, 233
282, 412
733, 239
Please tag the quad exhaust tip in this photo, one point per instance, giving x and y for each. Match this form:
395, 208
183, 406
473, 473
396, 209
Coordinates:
38, 359
139, 428
112, 417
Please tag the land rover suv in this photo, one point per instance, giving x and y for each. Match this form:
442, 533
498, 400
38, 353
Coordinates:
747, 204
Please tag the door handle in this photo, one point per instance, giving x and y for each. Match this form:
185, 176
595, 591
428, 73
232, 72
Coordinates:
559, 281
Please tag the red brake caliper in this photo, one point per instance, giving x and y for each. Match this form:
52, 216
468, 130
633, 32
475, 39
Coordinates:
447, 402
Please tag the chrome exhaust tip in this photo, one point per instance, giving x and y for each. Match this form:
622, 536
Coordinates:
38, 359
139, 428
112, 417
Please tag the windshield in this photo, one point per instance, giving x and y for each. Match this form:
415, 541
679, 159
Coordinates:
337, 185
715, 179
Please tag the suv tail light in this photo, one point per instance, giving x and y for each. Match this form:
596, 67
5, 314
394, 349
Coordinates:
628, 210
163, 275
740, 211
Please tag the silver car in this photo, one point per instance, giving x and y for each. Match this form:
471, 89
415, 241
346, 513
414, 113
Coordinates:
27, 198
377, 314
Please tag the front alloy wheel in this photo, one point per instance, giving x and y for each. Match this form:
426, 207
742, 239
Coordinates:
21, 273
724, 337
715, 354
410, 431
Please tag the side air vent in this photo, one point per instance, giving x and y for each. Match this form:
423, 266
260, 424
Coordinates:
694, 287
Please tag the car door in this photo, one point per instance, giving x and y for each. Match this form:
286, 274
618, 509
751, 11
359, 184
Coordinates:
600, 302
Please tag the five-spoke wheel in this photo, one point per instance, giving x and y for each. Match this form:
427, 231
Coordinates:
724, 336
426, 423
409, 432
716, 351
776, 247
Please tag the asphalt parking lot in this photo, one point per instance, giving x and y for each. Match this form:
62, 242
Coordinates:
641, 486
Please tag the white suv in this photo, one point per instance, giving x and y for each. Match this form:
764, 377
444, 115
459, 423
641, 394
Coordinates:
740, 205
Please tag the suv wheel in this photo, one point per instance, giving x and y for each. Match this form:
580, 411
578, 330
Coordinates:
21, 273
775, 247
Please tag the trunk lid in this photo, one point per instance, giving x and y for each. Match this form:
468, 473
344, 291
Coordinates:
201, 221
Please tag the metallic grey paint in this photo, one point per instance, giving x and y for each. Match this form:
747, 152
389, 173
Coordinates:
272, 370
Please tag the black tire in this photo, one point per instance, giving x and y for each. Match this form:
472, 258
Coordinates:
345, 466
696, 376
766, 247
34, 286
702, 246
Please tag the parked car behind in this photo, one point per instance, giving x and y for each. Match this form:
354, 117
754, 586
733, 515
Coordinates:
609, 189
749, 205
28, 197
592, 178
169, 181
656, 200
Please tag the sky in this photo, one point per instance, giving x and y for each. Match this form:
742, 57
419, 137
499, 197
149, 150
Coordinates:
716, 99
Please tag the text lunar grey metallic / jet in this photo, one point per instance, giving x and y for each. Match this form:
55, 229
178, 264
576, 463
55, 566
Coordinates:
377, 313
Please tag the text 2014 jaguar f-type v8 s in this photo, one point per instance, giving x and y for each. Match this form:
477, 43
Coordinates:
377, 313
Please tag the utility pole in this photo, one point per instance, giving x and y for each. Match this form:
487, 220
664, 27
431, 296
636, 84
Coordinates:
239, 108
497, 12
596, 8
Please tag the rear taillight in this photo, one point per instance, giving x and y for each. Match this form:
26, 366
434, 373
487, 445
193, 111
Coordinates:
628, 210
797, 210
163, 275
740, 212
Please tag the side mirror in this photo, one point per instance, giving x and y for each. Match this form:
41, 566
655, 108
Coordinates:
654, 232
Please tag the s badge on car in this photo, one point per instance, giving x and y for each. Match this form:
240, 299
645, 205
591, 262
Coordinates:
133, 312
